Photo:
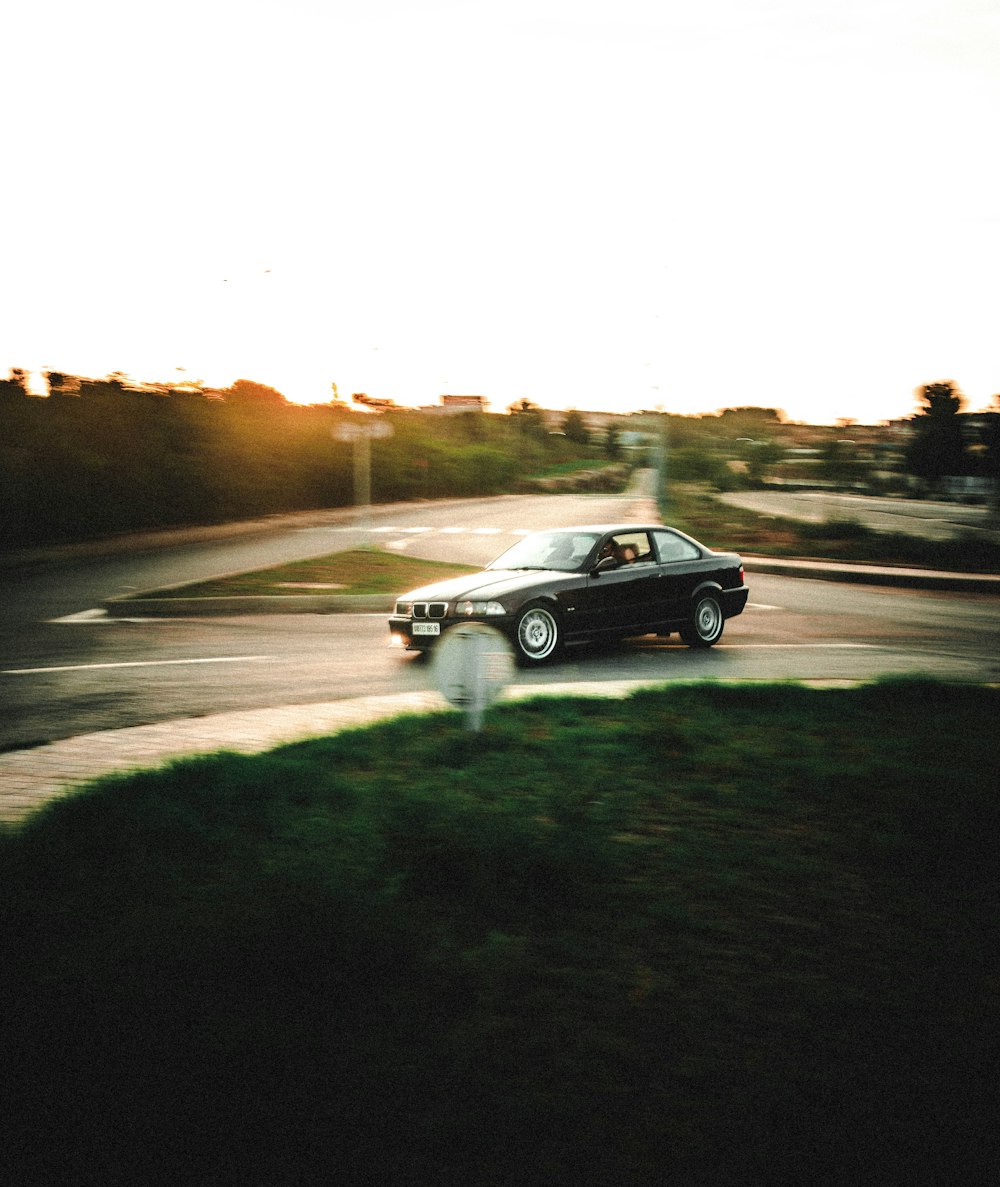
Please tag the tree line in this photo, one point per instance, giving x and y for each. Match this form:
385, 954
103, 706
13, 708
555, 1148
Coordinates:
923, 455
100, 457
949, 443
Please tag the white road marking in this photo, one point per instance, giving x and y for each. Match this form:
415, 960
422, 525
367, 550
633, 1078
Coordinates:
797, 646
761, 606
143, 663
455, 531
99, 618
389, 530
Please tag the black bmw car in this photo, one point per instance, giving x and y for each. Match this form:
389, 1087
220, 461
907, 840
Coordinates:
575, 584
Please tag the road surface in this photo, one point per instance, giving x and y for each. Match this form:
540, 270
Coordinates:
64, 671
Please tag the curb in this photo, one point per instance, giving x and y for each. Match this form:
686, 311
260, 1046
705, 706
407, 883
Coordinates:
866, 575
125, 607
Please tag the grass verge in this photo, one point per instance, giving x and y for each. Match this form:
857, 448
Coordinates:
711, 934
695, 510
356, 571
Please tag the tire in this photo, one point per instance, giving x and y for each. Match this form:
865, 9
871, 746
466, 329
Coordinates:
538, 635
705, 627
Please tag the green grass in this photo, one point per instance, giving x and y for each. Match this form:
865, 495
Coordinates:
695, 510
356, 571
573, 467
712, 934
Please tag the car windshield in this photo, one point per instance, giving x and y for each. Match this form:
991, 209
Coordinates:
563, 551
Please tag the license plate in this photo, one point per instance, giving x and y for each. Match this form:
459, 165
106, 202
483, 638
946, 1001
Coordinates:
427, 628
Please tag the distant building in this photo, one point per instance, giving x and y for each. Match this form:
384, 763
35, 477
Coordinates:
452, 405
374, 402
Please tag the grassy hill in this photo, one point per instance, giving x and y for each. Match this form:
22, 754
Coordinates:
708, 935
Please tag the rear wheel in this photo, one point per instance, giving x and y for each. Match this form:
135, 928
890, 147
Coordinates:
538, 636
705, 627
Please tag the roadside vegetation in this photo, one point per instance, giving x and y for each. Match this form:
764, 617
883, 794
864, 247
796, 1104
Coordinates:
696, 509
712, 934
104, 458
99, 458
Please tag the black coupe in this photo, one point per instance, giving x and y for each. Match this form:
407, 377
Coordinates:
574, 584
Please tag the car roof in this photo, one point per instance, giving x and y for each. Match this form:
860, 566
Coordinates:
604, 528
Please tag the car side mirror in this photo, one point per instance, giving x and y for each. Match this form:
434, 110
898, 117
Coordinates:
604, 564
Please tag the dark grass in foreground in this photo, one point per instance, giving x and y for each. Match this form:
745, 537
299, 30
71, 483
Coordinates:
711, 934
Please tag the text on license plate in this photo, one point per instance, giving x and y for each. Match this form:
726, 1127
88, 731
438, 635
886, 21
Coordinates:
427, 628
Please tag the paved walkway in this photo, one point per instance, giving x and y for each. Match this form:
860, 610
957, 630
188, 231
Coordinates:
30, 777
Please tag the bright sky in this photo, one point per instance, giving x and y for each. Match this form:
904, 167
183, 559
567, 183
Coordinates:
600, 204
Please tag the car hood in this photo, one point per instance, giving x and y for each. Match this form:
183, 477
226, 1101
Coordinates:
485, 586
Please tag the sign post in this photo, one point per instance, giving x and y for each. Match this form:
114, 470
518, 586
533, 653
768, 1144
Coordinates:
473, 664
361, 434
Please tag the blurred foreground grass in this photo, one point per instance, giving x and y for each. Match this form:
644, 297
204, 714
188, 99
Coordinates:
711, 934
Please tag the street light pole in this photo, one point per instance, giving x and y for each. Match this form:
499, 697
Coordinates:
661, 467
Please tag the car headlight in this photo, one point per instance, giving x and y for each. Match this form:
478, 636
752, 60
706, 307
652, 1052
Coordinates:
479, 608
404, 609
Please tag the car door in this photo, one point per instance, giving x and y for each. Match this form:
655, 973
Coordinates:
622, 599
681, 567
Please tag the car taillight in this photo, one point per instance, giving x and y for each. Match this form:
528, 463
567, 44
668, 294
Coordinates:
743, 579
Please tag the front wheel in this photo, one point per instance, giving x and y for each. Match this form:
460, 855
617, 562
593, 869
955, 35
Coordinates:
538, 636
705, 627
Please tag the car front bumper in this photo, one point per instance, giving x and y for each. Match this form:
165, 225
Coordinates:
420, 635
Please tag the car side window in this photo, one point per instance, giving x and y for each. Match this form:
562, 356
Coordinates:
672, 547
581, 548
629, 548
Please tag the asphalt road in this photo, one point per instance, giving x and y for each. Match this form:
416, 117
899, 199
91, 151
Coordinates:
64, 672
